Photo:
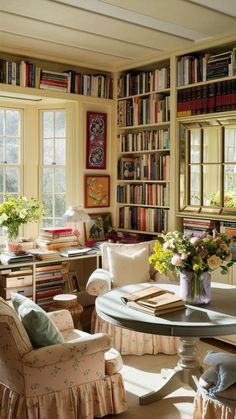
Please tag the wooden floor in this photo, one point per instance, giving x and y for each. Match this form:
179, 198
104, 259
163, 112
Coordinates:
221, 345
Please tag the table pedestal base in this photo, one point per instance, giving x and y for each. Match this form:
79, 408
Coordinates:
187, 371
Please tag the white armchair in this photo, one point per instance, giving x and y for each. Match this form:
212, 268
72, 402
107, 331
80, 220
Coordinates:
123, 264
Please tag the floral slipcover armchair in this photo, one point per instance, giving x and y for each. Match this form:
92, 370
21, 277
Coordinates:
65, 381
124, 340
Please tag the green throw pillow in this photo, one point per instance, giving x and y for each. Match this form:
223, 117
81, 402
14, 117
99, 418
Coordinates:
41, 330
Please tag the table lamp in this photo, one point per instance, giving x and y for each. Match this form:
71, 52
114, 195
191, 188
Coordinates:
76, 215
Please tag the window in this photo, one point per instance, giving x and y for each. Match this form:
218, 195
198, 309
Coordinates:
10, 152
53, 147
208, 168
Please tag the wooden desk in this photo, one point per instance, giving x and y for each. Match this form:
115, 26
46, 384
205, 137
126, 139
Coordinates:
215, 319
27, 285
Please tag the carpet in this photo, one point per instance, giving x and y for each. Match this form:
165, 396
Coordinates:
142, 374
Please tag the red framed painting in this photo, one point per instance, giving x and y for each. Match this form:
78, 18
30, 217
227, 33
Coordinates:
96, 140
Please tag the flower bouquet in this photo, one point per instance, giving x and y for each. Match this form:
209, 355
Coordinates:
192, 258
17, 211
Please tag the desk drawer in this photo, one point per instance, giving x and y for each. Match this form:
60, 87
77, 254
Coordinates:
15, 281
6, 292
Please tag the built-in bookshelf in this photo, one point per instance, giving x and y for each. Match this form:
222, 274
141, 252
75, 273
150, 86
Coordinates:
24, 72
143, 149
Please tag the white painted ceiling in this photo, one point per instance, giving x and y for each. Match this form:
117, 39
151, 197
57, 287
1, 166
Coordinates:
110, 34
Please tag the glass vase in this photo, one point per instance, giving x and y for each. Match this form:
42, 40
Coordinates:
195, 288
11, 235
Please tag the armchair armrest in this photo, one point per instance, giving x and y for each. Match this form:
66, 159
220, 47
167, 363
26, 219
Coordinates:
99, 282
62, 319
62, 352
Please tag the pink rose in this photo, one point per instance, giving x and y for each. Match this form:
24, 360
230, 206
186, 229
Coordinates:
176, 260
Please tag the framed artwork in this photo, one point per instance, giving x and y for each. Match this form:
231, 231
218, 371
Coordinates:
96, 191
97, 227
96, 140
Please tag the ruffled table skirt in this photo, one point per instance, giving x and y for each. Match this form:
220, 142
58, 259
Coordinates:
129, 342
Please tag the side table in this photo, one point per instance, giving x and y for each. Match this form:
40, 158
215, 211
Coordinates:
68, 302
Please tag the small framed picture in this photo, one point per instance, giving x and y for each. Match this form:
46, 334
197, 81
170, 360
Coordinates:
96, 191
97, 227
96, 140
127, 168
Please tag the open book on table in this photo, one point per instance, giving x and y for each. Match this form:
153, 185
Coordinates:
154, 300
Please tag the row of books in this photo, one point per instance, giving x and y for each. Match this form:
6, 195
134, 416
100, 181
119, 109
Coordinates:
51, 279
154, 220
144, 194
27, 74
144, 140
213, 97
194, 69
143, 110
53, 238
151, 166
199, 227
144, 82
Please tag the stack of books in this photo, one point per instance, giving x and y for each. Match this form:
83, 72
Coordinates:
229, 228
154, 300
44, 254
53, 238
10, 257
199, 227
53, 80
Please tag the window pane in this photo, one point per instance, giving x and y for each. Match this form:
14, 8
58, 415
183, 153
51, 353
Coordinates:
195, 185
195, 145
60, 151
12, 180
211, 145
60, 180
48, 180
230, 145
211, 184
48, 151
60, 205
2, 156
60, 124
2, 122
230, 186
48, 124
48, 204
13, 123
1, 181
54, 155
12, 150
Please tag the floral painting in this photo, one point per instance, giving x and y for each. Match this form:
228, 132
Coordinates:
97, 191
96, 140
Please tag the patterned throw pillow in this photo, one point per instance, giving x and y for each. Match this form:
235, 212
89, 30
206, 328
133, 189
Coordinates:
41, 330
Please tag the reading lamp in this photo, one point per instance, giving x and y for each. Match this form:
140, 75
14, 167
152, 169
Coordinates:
76, 215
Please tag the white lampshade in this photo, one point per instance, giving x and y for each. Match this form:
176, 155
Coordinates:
76, 214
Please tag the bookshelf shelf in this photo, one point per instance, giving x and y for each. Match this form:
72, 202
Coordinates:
144, 126
55, 77
144, 94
